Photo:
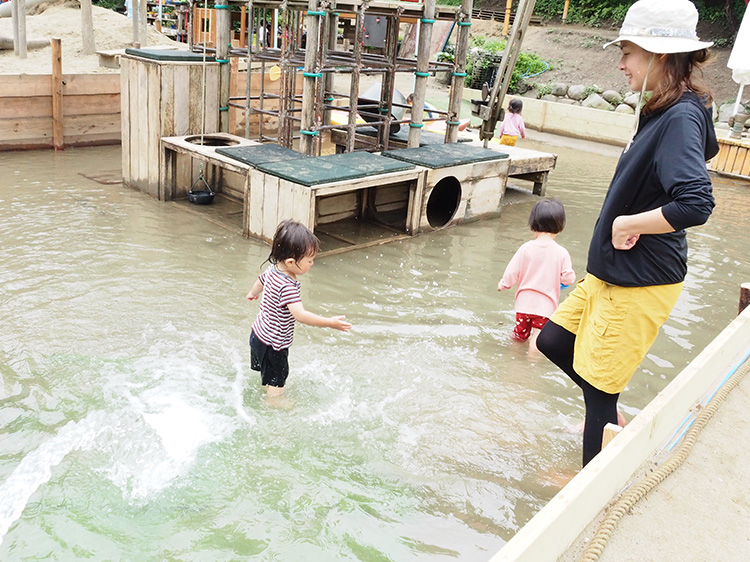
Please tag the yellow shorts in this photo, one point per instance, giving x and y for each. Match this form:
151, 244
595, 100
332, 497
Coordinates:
508, 140
614, 327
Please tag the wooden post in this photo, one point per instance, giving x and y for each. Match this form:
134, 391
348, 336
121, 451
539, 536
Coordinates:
134, 11
310, 136
57, 94
506, 20
459, 70
87, 28
331, 33
223, 37
565, 10
359, 32
18, 15
142, 21
610, 432
423, 64
744, 296
243, 27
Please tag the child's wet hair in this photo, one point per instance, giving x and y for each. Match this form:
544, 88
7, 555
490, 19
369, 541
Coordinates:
293, 240
548, 215
515, 106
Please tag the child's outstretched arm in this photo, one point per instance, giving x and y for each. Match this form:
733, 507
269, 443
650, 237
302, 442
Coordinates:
312, 319
255, 291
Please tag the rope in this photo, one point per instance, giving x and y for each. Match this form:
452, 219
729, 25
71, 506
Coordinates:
632, 496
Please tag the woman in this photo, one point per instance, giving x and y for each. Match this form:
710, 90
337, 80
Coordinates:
638, 254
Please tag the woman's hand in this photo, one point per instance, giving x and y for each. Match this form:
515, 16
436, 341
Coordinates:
623, 235
627, 229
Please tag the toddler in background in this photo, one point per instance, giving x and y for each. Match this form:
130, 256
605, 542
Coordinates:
512, 125
292, 253
539, 268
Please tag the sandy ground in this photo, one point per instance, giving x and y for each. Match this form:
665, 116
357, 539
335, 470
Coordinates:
63, 20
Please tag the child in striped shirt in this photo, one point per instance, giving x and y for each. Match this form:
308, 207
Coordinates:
292, 253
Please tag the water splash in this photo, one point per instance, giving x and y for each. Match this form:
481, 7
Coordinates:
36, 468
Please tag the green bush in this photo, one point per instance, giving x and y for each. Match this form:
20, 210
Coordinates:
485, 53
611, 12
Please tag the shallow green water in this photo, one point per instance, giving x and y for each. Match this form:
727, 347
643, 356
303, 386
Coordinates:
132, 429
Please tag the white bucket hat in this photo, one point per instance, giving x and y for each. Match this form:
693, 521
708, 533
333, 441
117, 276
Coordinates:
662, 26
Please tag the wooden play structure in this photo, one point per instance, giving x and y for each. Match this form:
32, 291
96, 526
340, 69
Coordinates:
266, 151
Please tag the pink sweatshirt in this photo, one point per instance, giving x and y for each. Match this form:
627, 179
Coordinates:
538, 267
512, 125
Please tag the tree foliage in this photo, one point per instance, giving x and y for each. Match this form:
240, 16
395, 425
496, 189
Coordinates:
598, 13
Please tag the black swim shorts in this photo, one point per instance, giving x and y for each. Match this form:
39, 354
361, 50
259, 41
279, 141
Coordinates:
273, 365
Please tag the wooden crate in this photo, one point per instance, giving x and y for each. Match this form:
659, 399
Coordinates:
271, 199
162, 99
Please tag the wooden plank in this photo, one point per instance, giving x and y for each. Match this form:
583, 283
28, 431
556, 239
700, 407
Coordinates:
125, 121
739, 161
93, 139
181, 102
721, 159
212, 97
195, 101
153, 111
731, 157
80, 125
27, 128
140, 152
271, 187
25, 85
286, 202
255, 203
57, 94
37, 106
92, 104
29, 85
301, 206
610, 432
87, 84
19, 108
337, 204
746, 166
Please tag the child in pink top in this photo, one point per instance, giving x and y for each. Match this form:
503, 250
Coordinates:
512, 125
539, 267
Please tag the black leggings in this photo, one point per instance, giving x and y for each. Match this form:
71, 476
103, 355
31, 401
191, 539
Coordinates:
557, 344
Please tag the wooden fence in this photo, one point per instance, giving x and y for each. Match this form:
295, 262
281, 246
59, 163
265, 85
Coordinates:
90, 110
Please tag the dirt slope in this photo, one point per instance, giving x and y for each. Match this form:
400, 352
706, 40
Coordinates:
576, 56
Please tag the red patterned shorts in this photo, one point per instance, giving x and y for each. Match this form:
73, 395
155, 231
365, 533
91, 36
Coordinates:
524, 323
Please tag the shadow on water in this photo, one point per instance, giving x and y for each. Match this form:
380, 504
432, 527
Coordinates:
132, 428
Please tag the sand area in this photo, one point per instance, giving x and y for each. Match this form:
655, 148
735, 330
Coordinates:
63, 19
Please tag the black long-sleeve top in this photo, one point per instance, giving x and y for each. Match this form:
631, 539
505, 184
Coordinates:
664, 167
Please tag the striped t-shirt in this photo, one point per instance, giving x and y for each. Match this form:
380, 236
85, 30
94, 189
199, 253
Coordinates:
274, 325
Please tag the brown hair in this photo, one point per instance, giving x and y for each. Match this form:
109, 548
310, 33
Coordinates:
547, 215
293, 240
682, 71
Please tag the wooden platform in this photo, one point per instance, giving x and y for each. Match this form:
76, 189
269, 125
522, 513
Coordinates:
733, 159
351, 200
